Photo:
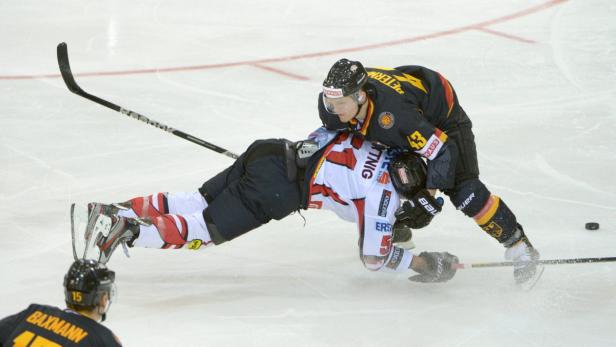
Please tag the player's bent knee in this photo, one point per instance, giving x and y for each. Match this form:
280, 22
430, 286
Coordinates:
474, 199
470, 196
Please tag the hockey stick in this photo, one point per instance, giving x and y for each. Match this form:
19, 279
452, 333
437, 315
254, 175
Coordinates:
544, 262
69, 80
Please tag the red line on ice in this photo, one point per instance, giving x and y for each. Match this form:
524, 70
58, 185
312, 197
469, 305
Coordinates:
476, 26
509, 36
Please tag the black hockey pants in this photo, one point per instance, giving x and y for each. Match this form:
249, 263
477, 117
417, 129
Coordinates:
467, 181
251, 192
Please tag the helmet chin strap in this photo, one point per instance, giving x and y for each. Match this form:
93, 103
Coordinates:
104, 310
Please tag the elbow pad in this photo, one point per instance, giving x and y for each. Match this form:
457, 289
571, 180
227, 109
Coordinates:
442, 169
373, 262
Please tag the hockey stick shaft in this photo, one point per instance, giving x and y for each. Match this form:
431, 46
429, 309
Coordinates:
544, 262
69, 80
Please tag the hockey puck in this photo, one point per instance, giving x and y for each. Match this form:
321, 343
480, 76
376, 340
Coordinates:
592, 226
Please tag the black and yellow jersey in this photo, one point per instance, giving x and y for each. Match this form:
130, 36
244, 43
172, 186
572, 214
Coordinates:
42, 325
401, 101
433, 94
411, 108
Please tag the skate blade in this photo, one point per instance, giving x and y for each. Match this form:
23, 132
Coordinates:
530, 284
125, 249
85, 235
79, 222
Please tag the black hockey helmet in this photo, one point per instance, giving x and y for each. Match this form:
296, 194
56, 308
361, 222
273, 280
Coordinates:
86, 282
346, 77
408, 174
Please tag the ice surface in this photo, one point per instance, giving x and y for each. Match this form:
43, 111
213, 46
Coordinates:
537, 77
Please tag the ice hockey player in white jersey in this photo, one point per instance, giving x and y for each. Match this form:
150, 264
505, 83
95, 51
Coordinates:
273, 178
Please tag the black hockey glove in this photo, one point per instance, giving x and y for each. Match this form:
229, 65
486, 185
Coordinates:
439, 267
402, 236
401, 232
419, 210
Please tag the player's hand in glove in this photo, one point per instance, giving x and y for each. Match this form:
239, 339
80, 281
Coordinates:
434, 267
419, 210
402, 236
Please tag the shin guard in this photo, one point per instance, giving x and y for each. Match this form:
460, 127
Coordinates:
496, 219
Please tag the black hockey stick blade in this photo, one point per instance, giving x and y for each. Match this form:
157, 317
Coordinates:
544, 262
71, 84
65, 69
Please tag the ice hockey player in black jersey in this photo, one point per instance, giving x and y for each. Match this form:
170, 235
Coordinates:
416, 109
89, 290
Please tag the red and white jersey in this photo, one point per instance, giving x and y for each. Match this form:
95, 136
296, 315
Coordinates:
352, 180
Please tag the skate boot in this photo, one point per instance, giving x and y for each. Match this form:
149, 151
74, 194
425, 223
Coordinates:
96, 209
526, 269
121, 230
97, 230
108, 209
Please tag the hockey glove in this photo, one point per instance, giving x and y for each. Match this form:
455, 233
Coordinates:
419, 210
402, 236
401, 232
439, 267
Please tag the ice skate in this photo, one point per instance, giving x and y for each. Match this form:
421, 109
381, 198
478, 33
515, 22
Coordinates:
97, 231
526, 269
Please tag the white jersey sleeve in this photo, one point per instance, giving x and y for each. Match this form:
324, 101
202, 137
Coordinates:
377, 251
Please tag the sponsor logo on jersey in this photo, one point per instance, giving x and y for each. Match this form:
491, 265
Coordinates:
372, 161
384, 178
396, 258
385, 198
383, 173
386, 120
383, 227
195, 244
428, 148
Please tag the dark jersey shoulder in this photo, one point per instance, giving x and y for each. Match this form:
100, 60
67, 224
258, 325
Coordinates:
48, 325
394, 113
408, 106
427, 89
